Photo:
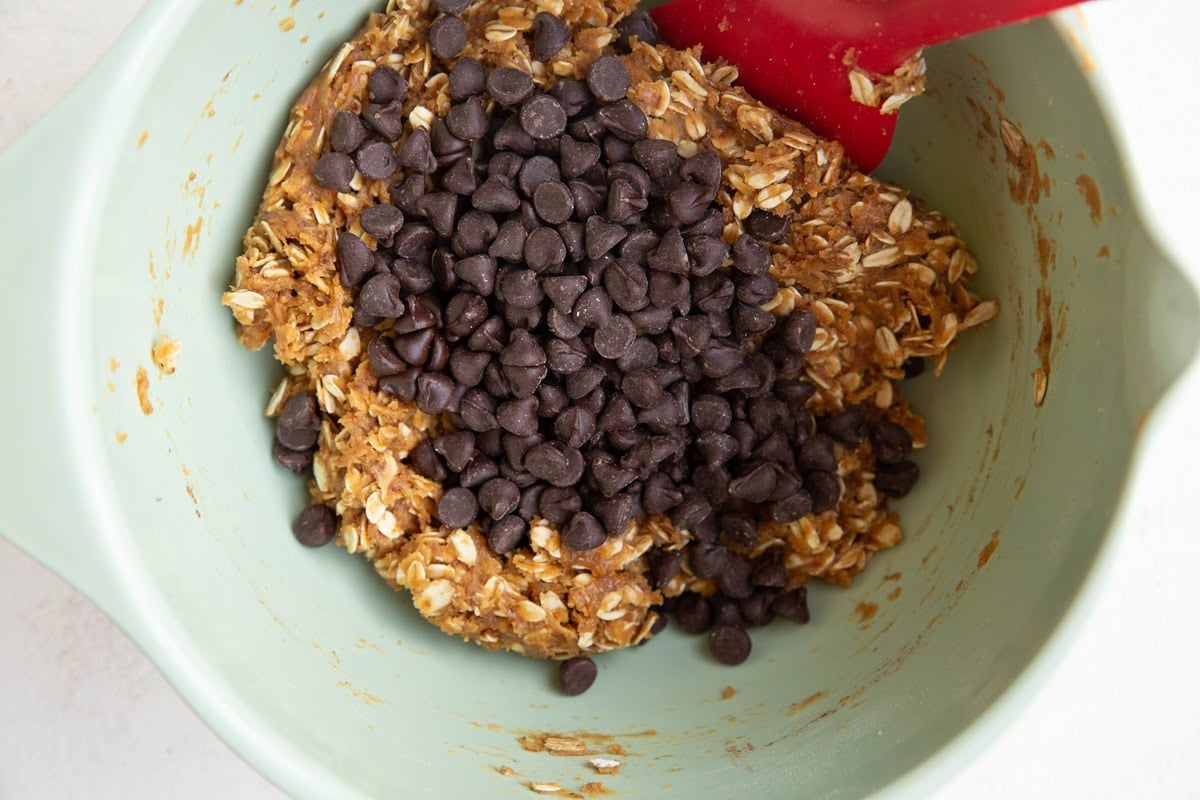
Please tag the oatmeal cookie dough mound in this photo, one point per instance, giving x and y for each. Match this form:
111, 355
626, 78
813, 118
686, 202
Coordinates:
884, 278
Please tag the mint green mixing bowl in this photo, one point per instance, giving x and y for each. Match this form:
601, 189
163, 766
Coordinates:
123, 212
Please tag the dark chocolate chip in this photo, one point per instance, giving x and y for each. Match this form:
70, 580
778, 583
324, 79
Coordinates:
734, 579
659, 157
615, 513
817, 454
565, 356
543, 117
456, 449
799, 331
435, 393
729, 644
664, 565
416, 154
479, 271
896, 480
544, 249
689, 201
467, 119
558, 504
519, 417
706, 254
536, 171
608, 78
694, 613
703, 168
690, 511
447, 37
335, 171
576, 675
913, 367
466, 78
614, 339
892, 442
402, 385
299, 423
550, 34
347, 132
793, 507
767, 227
499, 497
494, 195
750, 256
512, 137
583, 532
386, 120
754, 485
554, 202
355, 260
593, 309
457, 507
793, 605
477, 408
577, 157
509, 243
315, 526
382, 221
624, 120
637, 25
382, 296
756, 289
451, 6
506, 534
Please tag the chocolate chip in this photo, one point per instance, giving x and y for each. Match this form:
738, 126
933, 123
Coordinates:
767, 227
577, 157
544, 250
625, 200
522, 351
456, 449
386, 120
335, 171
639, 25
347, 132
750, 256
575, 427
536, 171
512, 137
550, 34
705, 254
558, 504
690, 511
694, 613
913, 367
793, 507
381, 296
614, 339
793, 605
457, 507
593, 309
756, 609
494, 195
729, 644
755, 485
477, 408
447, 37
299, 423
576, 675
704, 168
506, 534
552, 401
451, 6
615, 513
624, 120
402, 385
543, 117
435, 393
355, 259
509, 86
499, 497
817, 454
466, 79
315, 526
734, 579
756, 289
896, 480
608, 78
659, 157
565, 356
518, 417
480, 470
553, 202
891, 442
416, 154
799, 331
479, 271
509, 241
711, 224
584, 532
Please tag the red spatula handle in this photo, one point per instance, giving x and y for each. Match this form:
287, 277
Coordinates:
790, 53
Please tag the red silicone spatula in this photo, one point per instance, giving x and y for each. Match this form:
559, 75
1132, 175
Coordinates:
793, 54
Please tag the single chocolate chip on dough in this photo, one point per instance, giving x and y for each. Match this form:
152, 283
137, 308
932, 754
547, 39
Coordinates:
447, 37
550, 34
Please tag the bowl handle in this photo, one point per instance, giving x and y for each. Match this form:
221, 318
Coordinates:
45, 508
1161, 328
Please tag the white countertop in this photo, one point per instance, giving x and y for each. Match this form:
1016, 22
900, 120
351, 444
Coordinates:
84, 714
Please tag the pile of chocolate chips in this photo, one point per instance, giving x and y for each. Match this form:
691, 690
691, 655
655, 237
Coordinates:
558, 285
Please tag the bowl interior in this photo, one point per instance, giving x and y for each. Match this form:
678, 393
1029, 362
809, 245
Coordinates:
333, 683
